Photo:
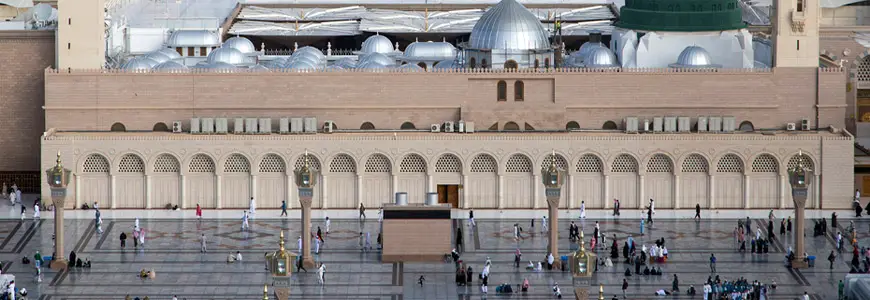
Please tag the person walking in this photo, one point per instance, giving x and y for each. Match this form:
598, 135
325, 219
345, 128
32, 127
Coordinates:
99, 221
649, 215
253, 207
615, 207
327, 225
299, 265
624, 287
321, 274
782, 227
675, 286
652, 205
362, 211
123, 240
831, 258
517, 257
245, 225
544, 224
712, 263
788, 224
198, 212
317, 242
517, 236
642, 225
582, 209
202, 247
698, 211
283, 209
37, 260
36, 211
299, 244
471, 218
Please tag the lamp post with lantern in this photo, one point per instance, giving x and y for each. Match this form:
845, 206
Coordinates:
58, 179
799, 179
582, 268
306, 178
280, 266
553, 178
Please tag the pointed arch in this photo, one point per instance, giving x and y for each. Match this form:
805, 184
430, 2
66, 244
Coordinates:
378, 163
342, 163
448, 163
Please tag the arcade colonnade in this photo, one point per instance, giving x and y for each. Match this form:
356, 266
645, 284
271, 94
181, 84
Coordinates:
483, 180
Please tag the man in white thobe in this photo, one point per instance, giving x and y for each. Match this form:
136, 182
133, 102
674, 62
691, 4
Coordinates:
18, 196
300, 245
583, 209
543, 224
652, 205
245, 221
321, 272
11, 290
136, 225
36, 211
316, 245
253, 205
327, 225
202, 247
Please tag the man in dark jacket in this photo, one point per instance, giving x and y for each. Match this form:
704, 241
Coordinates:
123, 239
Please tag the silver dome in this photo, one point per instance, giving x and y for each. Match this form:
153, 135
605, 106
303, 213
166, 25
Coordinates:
172, 54
216, 65
430, 50
158, 56
301, 65
411, 68
369, 65
244, 45
226, 55
334, 68
308, 57
170, 66
445, 64
584, 50
376, 58
600, 57
377, 44
258, 68
193, 38
273, 64
138, 64
347, 63
309, 50
509, 25
694, 57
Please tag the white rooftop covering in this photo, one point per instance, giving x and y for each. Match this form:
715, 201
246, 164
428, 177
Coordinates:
365, 2
190, 14
17, 3
332, 28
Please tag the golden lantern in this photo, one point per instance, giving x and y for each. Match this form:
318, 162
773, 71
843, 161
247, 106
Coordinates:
281, 261
582, 262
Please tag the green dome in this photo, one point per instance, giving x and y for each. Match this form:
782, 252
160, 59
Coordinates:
681, 15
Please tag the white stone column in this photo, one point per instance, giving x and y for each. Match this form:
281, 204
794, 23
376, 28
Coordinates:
500, 192
817, 202
324, 183
394, 186
712, 191
78, 190
217, 193
641, 194
536, 191
746, 192
677, 193
464, 193
254, 189
112, 189
430, 184
570, 187
783, 183
147, 191
606, 192
291, 196
359, 187
183, 190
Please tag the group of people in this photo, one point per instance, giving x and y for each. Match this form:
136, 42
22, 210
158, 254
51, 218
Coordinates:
138, 234
738, 289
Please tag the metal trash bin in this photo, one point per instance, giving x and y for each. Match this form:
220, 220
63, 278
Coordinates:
811, 261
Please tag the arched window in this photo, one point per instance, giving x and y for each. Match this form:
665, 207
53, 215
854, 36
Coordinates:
119, 127
378, 163
502, 91
537, 63
342, 163
609, 125
483, 63
572, 126
96, 163
367, 126
746, 126
472, 63
131, 163
511, 64
511, 126
160, 127
519, 90
422, 65
408, 126
864, 69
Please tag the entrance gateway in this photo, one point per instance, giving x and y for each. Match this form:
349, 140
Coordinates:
449, 193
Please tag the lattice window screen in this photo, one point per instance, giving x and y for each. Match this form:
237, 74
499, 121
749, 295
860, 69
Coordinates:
519, 163
561, 163
483, 163
313, 162
342, 163
448, 163
201, 163
131, 163
624, 163
237, 163
412, 163
765, 163
695, 163
730, 163
589, 163
166, 163
794, 160
660, 163
272, 163
864, 69
378, 163
96, 163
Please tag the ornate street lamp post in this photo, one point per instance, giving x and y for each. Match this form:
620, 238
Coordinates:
553, 178
582, 268
799, 178
58, 179
280, 266
306, 178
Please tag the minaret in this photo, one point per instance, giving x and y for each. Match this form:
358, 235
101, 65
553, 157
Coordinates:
81, 34
796, 33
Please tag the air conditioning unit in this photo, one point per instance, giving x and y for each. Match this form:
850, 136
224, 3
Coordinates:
684, 124
670, 124
251, 125
296, 125
239, 126
265, 126
469, 127
461, 126
194, 125
448, 126
284, 125
435, 128
176, 127
310, 125
207, 125
220, 125
630, 124
328, 126
728, 124
658, 124
715, 124
702, 124
805, 124
790, 126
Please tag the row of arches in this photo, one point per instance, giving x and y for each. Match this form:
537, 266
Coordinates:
491, 181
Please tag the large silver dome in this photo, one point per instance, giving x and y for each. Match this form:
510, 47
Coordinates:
172, 54
600, 57
158, 56
694, 57
301, 65
170, 66
226, 55
369, 65
216, 65
346, 63
584, 50
411, 68
244, 45
509, 25
308, 57
376, 58
377, 44
193, 38
430, 50
138, 64
309, 50
445, 64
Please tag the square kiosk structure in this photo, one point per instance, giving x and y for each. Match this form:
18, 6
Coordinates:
416, 232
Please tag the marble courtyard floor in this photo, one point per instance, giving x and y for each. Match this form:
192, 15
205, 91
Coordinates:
172, 250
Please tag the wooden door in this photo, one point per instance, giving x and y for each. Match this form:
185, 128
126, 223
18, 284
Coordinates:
865, 186
442, 194
448, 193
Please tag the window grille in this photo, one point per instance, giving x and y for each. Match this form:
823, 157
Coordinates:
201, 163
272, 163
765, 163
378, 163
519, 163
96, 163
448, 163
342, 163
624, 163
237, 163
166, 163
695, 163
412, 163
589, 163
483, 163
730, 163
131, 163
561, 163
313, 162
660, 163
794, 160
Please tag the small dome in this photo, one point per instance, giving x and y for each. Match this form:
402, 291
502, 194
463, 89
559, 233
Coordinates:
258, 68
172, 54
309, 50
584, 50
334, 68
216, 65
694, 57
226, 55
273, 64
170, 66
158, 56
430, 50
377, 58
347, 63
138, 64
377, 44
369, 65
600, 57
244, 45
445, 64
308, 56
509, 25
411, 68
193, 38
301, 65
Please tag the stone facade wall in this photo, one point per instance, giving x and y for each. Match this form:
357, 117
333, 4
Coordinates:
416, 240
26, 55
